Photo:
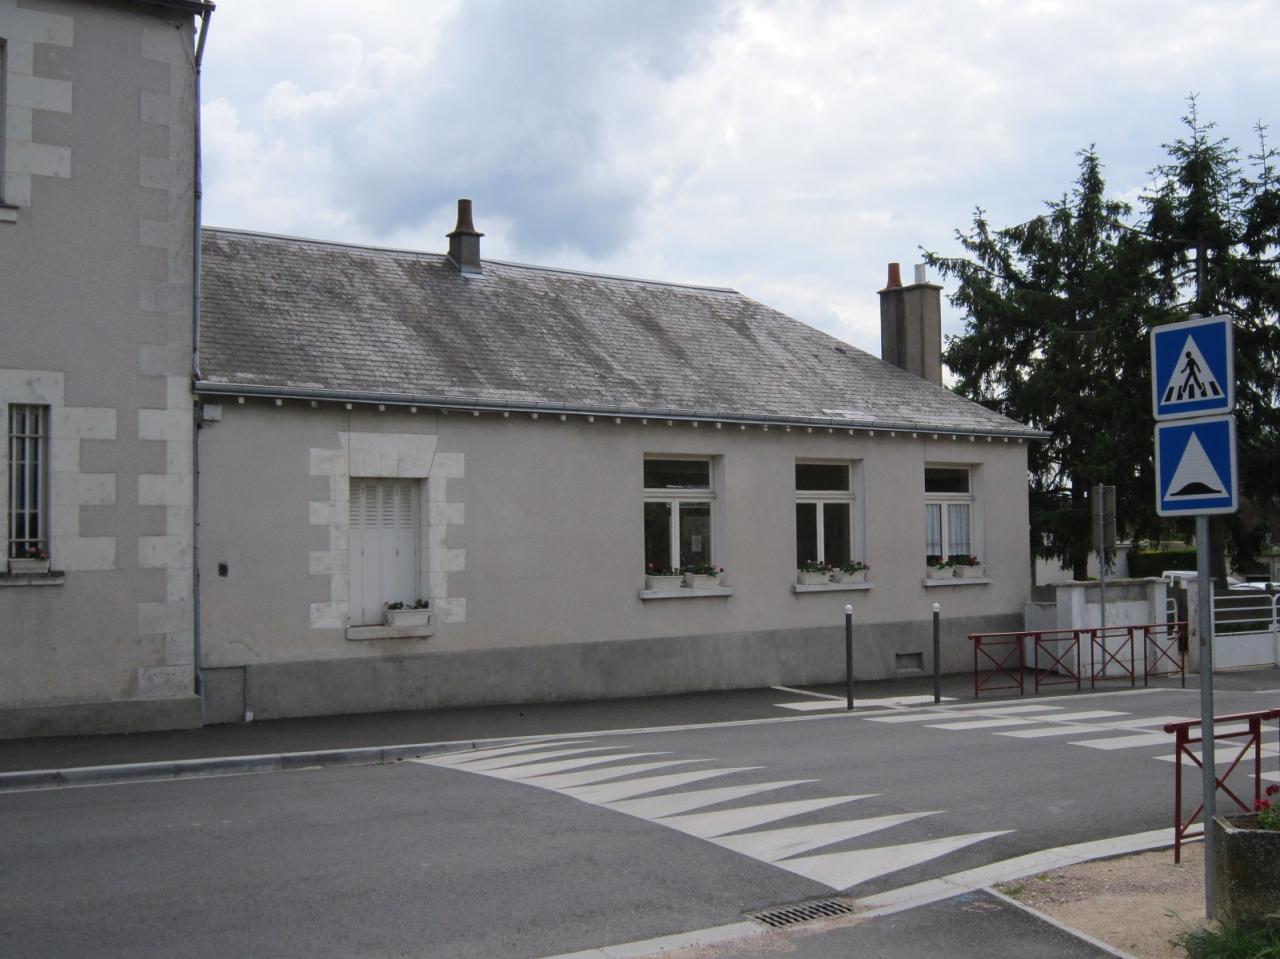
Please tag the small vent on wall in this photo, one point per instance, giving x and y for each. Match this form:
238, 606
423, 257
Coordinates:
909, 663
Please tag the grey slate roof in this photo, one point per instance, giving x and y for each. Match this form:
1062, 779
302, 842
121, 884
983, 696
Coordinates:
291, 317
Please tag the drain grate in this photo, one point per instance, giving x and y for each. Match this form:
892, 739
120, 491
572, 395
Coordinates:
803, 912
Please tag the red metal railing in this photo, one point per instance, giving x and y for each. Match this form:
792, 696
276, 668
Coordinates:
1251, 740
1000, 659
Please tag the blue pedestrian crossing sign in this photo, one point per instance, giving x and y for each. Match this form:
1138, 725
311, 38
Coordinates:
1196, 467
1193, 368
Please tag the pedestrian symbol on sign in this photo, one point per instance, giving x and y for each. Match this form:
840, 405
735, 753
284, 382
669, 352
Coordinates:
1186, 384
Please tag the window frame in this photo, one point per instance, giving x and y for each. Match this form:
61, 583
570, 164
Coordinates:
944, 501
33, 458
674, 497
821, 499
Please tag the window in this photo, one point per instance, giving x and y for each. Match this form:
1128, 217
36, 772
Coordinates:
824, 513
677, 513
28, 480
384, 546
948, 512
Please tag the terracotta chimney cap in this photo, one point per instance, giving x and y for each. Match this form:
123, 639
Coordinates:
895, 276
465, 227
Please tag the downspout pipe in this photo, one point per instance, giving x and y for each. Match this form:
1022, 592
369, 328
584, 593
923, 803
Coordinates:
196, 223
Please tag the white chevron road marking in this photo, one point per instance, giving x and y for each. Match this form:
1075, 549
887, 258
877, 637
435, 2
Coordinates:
532, 770
612, 792
708, 824
772, 845
482, 763
566, 781
471, 755
656, 807
841, 870
585, 773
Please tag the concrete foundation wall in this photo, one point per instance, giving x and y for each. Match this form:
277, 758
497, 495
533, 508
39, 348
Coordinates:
574, 671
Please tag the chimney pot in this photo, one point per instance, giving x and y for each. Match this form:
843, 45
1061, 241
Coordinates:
464, 242
911, 325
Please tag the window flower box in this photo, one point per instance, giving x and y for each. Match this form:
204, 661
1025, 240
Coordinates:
420, 616
659, 581
28, 567
941, 572
853, 571
702, 580
812, 578
971, 572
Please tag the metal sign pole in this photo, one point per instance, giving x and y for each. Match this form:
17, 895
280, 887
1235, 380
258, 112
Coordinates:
1204, 589
1101, 492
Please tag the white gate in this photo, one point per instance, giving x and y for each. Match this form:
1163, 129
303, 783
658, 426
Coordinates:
384, 546
1246, 629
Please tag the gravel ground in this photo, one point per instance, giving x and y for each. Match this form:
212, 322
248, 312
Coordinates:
1138, 904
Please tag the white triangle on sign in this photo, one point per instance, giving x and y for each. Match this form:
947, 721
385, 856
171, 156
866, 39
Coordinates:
1195, 476
1191, 380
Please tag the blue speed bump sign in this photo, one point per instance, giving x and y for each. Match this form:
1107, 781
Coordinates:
1193, 368
1196, 467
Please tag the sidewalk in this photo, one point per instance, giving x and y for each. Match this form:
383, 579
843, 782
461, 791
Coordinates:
372, 731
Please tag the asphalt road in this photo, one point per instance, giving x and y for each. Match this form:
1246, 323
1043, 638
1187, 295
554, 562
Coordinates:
591, 840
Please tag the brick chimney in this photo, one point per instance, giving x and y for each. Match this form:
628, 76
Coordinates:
464, 242
911, 324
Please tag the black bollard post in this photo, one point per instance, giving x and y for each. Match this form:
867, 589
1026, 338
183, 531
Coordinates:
937, 650
848, 656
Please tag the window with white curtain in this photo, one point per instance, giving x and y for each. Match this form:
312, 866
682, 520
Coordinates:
948, 512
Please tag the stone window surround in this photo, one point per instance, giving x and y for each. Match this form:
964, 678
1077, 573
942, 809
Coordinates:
390, 456
69, 487
24, 93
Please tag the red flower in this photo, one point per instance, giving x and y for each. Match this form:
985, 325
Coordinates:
1273, 789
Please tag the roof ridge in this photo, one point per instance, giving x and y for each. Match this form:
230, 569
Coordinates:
373, 248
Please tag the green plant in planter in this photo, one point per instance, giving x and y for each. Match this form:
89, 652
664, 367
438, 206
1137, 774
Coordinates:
653, 569
32, 551
936, 562
853, 566
702, 569
813, 566
1268, 810
416, 604
963, 561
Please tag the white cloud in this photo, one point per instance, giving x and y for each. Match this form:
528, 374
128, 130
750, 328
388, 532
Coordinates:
789, 148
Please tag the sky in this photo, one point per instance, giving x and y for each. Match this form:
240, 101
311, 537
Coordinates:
789, 149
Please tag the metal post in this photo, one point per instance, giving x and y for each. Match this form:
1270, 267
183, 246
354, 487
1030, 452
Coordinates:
848, 656
1209, 778
1101, 492
937, 649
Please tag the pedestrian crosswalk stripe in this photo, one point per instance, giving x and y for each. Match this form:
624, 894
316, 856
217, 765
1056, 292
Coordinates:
708, 824
841, 870
983, 723
772, 845
1015, 710
1040, 732
656, 807
1126, 742
916, 717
